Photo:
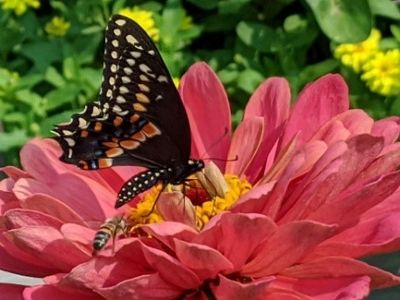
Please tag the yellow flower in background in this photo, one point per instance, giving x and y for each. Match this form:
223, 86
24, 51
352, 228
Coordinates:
382, 73
144, 18
19, 6
57, 27
187, 22
356, 55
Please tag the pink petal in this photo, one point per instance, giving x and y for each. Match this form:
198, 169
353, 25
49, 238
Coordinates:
206, 262
230, 236
174, 206
387, 128
149, 287
334, 267
208, 111
47, 165
15, 260
317, 103
16, 218
330, 175
79, 234
353, 205
14, 173
49, 245
53, 207
11, 291
270, 100
47, 292
345, 125
286, 247
166, 232
245, 143
228, 289
375, 236
82, 194
344, 288
254, 200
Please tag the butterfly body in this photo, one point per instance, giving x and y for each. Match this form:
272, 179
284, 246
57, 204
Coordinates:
139, 118
147, 179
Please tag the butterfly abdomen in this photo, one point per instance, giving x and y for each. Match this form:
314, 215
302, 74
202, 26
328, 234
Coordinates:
138, 184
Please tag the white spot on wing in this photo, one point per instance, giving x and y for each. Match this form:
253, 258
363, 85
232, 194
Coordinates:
117, 32
115, 43
136, 54
131, 40
120, 22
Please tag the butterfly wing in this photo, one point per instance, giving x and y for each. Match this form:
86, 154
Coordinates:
139, 119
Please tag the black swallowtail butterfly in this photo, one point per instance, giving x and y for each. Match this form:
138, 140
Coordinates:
138, 120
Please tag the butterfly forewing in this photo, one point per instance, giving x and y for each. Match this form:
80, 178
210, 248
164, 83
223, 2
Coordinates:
140, 119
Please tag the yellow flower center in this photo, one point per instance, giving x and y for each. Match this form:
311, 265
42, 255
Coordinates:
205, 206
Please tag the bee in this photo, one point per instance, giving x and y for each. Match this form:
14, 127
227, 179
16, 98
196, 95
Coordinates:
110, 229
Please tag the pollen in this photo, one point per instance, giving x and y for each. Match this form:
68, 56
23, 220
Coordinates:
205, 206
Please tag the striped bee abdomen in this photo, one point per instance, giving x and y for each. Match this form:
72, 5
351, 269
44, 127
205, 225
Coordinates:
109, 229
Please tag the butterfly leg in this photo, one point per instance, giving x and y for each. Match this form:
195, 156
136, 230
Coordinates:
155, 201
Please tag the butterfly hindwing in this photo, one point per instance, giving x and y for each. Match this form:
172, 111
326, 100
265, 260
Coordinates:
139, 119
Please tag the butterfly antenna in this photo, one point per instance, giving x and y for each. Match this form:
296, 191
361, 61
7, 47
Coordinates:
220, 159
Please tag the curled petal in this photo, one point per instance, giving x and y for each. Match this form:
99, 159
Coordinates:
175, 206
229, 289
327, 97
205, 261
208, 110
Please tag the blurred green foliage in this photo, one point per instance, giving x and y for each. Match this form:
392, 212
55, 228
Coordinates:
45, 76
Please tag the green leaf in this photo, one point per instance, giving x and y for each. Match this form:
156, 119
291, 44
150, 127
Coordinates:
343, 21
70, 68
384, 8
52, 76
257, 36
28, 97
48, 124
395, 29
231, 6
42, 53
29, 80
205, 4
249, 79
312, 72
61, 96
9, 140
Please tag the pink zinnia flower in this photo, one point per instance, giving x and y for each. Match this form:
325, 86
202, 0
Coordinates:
313, 189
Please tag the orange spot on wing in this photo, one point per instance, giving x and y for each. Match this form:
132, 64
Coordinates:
114, 152
110, 144
98, 126
139, 136
151, 130
117, 121
105, 163
129, 144
83, 165
84, 133
134, 118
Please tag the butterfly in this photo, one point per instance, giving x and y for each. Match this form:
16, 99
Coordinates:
139, 118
